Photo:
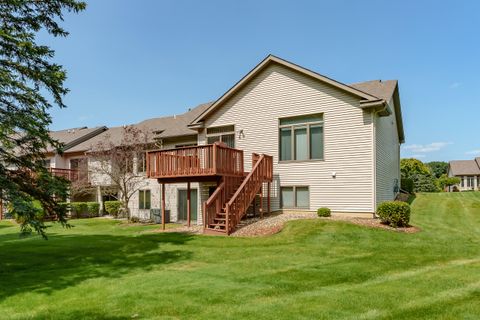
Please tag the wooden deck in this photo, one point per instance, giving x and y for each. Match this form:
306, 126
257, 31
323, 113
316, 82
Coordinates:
236, 190
194, 163
69, 174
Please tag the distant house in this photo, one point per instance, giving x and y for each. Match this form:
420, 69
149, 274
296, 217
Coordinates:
468, 171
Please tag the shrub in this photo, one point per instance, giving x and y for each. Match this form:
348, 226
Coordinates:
407, 185
324, 212
394, 213
93, 208
113, 207
78, 208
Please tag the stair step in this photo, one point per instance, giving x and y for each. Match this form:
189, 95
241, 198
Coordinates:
213, 225
220, 219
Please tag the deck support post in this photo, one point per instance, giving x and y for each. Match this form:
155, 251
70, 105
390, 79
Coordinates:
163, 206
268, 198
1, 205
189, 212
261, 202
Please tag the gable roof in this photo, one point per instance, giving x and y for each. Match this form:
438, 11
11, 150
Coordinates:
74, 136
271, 59
372, 95
465, 167
386, 90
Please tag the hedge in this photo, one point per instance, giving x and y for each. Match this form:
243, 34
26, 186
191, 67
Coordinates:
394, 213
407, 184
84, 209
324, 212
113, 207
93, 208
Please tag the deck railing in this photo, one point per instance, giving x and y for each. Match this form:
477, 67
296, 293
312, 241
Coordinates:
69, 174
212, 159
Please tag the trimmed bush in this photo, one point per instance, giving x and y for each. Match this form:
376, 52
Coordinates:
394, 213
407, 185
93, 208
78, 208
324, 212
113, 207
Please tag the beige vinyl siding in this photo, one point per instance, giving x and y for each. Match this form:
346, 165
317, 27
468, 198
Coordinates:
279, 92
387, 156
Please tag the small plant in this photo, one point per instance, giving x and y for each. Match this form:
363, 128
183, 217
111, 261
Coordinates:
324, 212
135, 219
113, 207
394, 213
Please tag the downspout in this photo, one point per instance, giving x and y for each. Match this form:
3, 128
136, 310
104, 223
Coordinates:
374, 130
374, 162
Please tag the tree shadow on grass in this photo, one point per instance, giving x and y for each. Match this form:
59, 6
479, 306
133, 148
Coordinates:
67, 260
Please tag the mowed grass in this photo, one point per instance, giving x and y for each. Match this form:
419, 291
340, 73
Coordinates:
313, 269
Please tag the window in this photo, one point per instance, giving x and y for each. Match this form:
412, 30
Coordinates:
225, 134
301, 138
295, 197
44, 163
144, 199
463, 182
141, 162
470, 182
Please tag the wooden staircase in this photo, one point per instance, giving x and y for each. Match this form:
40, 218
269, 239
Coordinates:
232, 198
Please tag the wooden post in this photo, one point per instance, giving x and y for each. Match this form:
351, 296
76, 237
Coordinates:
1, 205
188, 204
163, 206
261, 202
254, 205
268, 198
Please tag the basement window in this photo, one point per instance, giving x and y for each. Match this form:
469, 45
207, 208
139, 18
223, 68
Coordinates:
144, 199
295, 197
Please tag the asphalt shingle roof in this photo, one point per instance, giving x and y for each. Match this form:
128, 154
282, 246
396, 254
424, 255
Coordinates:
465, 167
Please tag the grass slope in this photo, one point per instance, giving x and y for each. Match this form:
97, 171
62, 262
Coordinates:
312, 269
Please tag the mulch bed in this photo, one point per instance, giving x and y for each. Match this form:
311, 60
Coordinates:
257, 227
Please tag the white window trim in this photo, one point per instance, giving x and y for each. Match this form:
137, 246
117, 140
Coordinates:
294, 188
292, 131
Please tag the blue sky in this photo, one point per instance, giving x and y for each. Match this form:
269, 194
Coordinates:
132, 60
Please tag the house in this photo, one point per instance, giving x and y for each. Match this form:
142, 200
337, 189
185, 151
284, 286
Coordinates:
291, 139
68, 164
283, 138
469, 173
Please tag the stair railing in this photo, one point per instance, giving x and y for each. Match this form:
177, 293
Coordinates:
237, 206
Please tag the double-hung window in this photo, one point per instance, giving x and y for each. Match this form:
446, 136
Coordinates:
144, 199
301, 138
225, 134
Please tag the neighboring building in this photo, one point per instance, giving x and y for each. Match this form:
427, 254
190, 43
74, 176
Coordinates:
469, 173
282, 138
69, 163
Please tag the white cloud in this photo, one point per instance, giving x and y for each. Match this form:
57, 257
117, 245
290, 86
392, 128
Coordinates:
455, 85
426, 148
417, 156
474, 152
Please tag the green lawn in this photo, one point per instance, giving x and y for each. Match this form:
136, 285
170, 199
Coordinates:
312, 269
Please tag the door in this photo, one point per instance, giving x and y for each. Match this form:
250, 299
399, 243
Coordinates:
182, 204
